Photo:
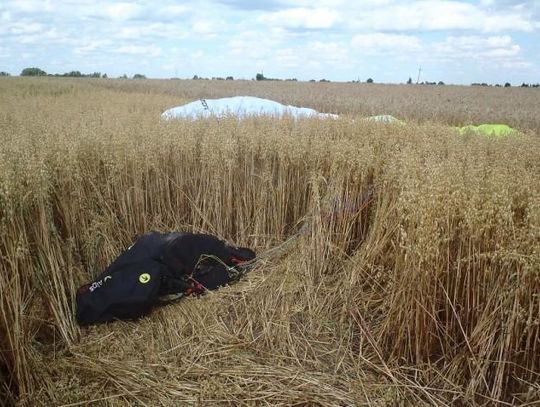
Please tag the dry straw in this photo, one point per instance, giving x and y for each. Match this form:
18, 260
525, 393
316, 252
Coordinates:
427, 292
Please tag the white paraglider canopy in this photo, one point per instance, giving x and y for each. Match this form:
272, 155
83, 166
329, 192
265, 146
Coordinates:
383, 118
240, 107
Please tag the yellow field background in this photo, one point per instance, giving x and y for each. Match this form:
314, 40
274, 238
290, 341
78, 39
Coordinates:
416, 280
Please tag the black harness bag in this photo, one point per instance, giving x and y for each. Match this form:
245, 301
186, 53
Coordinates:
157, 268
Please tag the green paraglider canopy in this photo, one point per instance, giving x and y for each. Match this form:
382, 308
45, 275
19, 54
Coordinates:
487, 129
492, 130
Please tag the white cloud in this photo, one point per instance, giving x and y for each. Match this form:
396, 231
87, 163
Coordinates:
519, 65
198, 54
118, 12
47, 37
151, 30
203, 27
173, 10
287, 58
273, 5
300, 17
146, 50
252, 44
328, 51
502, 52
27, 32
121, 11
382, 42
22, 28
92, 46
478, 47
32, 6
439, 15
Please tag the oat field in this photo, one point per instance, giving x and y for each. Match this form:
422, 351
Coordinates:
416, 281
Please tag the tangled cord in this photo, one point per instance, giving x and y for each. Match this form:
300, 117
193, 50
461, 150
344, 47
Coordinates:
238, 271
356, 206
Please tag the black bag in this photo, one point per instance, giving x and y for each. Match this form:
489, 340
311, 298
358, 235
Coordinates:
159, 267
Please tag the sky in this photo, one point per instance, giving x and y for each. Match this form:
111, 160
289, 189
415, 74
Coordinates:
454, 41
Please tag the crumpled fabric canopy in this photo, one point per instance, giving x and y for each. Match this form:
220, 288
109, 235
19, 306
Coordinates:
487, 129
241, 107
383, 118
496, 130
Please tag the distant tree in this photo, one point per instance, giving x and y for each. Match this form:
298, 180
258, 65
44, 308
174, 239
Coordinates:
124, 76
95, 75
73, 74
229, 78
260, 77
104, 76
312, 80
324, 80
441, 83
507, 85
537, 85
139, 76
33, 72
409, 82
369, 80
195, 77
524, 85
4, 73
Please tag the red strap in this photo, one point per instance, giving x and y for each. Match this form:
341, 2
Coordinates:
236, 261
194, 287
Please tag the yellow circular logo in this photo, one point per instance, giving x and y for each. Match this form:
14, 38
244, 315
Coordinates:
144, 278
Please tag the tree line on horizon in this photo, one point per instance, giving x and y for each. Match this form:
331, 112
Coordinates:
34, 71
